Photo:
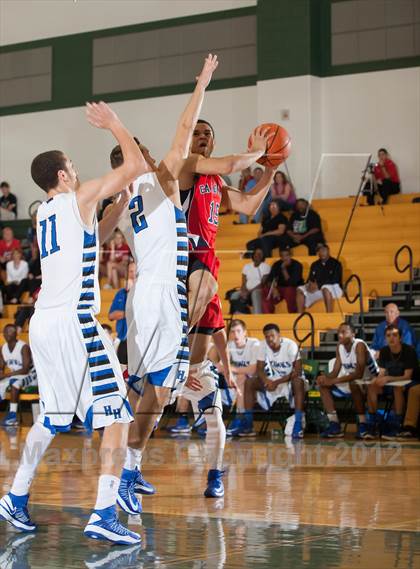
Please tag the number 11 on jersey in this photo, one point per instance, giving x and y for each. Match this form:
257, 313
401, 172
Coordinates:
52, 236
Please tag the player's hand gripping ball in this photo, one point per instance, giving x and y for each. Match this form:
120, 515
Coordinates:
278, 147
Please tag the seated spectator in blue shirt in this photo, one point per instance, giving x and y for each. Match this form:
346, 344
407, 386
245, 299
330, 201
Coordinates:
117, 309
392, 316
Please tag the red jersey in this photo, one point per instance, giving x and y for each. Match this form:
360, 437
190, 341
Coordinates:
201, 205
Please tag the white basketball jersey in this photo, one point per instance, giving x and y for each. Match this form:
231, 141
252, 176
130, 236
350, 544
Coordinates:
155, 230
69, 256
245, 356
280, 363
13, 359
349, 360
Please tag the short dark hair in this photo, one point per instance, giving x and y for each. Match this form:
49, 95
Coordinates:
116, 157
237, 322
383, 150
107, 327
392, 327
349, 325
10, 325
258, 249
45, 167
5, 184
271, 326
203, 121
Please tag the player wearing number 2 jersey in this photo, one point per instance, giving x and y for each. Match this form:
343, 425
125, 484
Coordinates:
78, 371
157, 308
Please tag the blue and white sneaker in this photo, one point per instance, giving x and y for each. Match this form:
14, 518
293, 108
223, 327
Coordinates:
181, 427
297, 432
14, 509
391, 433
10, 420
115, 557
362, 431
104, 525
215, 488
126, 498
199, 422
15, 553
334, 431
235, 427
141, 486
247, 431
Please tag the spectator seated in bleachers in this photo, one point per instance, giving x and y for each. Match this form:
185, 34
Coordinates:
282, 282
33, 280
248, 184
17, 270
398, 366
119, 256
279, 374
17, 371
8, 202
410, 428
117, 313
392, 316
7, 245
25, 312
324, 282
353, 364
251, 287
243, 353
272, 233
386, 176
305, 227
282, 191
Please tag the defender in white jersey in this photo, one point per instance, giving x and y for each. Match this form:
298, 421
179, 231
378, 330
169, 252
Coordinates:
78, 372
354, 366
279, 374
15, 356
157, 307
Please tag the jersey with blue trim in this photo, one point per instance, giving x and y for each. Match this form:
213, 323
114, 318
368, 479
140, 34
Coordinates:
13, 359
69, 256
156, 232
349, 360
279, 364
246, 355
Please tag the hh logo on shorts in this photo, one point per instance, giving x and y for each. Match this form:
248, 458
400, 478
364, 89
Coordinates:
110, 411
180, 375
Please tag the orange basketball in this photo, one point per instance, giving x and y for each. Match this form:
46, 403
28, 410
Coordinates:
278, 148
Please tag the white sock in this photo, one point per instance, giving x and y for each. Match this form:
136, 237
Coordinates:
107, 491
37, 442
332, 417
132, 459
13, 407
215, 439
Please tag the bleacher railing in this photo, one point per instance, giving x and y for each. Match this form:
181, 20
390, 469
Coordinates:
358, 296
408, 267
310, 334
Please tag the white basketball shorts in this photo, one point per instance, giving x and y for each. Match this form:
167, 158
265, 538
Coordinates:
78, 370
157, 337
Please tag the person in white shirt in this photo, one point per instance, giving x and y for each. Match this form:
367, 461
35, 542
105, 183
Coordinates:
252, 277
243, 353
279, 374
17, 269
354, 362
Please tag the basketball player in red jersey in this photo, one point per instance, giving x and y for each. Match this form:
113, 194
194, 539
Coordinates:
203, 191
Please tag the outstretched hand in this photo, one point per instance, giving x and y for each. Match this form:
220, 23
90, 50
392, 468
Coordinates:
100, 115
259, 139
209, 67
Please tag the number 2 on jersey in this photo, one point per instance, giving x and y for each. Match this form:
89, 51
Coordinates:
138, 219
53, 236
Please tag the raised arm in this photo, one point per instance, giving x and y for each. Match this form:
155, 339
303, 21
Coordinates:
93, 191
233, 162
249, 203
182, 141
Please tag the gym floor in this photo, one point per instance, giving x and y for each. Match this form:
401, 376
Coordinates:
316, 504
